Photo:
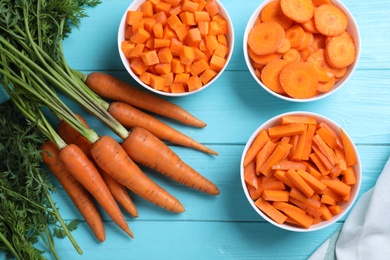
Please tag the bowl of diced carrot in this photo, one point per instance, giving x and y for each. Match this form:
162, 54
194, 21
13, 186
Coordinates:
175, 47
301, 171
301, 50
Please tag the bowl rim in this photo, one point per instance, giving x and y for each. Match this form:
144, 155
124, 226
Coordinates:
120, 37
346, 206
352, 27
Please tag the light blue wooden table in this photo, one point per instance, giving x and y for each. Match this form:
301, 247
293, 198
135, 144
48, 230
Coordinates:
226, 227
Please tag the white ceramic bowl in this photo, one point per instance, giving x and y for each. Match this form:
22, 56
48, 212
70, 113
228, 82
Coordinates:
346, 205
121, 31
352, 29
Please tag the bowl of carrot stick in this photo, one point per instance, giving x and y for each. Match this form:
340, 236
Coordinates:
175, 47
301, 171
301, 51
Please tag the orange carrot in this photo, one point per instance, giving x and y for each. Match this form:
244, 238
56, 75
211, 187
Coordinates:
118, 191
83, 170
145, 148
110, 87
266, 38
299, 80
131, 117
107, 150
81, 198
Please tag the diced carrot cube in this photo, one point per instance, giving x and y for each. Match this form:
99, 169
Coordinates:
160, 17
217, 63
163, 7
127, 47
157, 82
181, 78
147, 9
190, 6
174, 22
158, 31
211, 42
194, 83
140, 36
133, 17
178, 88
207, 76
161, 43
163, 68
164, 55
181, 32
212, 7
198, 67
187, 18
150, 57
177, 66
187, 55
193, 37
138, 66
202, 16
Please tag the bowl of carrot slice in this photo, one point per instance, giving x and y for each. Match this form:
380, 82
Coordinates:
301, 50
175, 47
301, 171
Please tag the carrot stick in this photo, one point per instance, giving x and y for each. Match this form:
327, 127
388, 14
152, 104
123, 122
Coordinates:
270, 211
107, 150
110, 87
294, 212
350, 156
130, 116
300, 183
118, 191
276, 195
83, 170
145, 148
81, 198
258, 143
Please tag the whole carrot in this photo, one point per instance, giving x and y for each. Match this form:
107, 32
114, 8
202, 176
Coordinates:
83, 170
118, 191
107, 150
130, 116
110, 87
81, 198
145, 148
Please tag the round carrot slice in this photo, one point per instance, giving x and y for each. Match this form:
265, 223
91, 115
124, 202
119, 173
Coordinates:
299, 11
299, 80
330, 20
292, 55
340, 52
317, 59
270, 75
295, 34
263, 59
266, 38
272, 12
324, 87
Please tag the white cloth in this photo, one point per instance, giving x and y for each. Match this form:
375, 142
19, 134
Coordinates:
366, 231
